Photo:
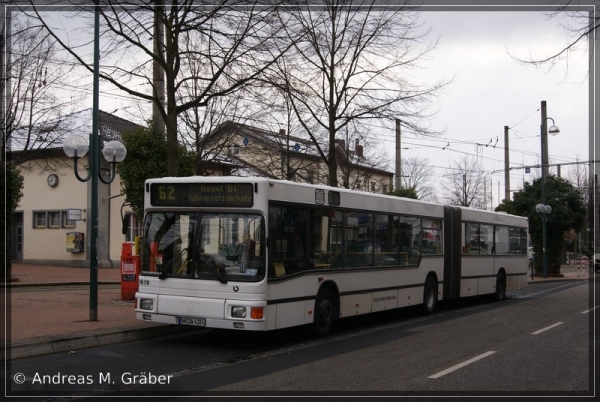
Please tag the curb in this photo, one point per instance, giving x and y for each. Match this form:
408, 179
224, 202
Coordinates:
69, 344
534, 282
16, 285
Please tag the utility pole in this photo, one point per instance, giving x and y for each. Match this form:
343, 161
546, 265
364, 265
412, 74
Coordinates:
285, 164
398, 160
465, 190
544, 135
158, 74
506, 166
485, 193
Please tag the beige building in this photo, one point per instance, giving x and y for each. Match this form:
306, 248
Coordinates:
51, 224
279, 155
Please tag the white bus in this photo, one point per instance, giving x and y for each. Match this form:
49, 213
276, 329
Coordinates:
259, 254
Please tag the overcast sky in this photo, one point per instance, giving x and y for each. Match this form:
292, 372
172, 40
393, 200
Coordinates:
492, 90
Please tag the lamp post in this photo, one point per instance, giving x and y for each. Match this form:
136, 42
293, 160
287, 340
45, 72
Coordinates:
545, 210
76, 146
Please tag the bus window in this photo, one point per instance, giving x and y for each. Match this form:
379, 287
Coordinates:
486, 239
335, 240
501, 240
479, 238
386, 236
410, 242
205, 246
288, 232
471, 238
432, 236
359, 239
319, 257
518, 240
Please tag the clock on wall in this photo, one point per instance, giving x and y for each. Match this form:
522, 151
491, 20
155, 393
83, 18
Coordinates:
52, 180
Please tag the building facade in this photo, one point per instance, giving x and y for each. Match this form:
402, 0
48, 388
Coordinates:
279, 155
51, 224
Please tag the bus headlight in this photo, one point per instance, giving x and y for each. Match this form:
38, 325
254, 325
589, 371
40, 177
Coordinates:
238, 312
146, 304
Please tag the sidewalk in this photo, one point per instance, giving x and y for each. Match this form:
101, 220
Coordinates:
571, 272
47, 313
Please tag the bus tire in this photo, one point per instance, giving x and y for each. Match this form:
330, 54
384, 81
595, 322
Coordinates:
324, 312
430, 294
500, 287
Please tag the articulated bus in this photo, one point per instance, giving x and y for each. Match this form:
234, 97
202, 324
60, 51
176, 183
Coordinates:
259, 254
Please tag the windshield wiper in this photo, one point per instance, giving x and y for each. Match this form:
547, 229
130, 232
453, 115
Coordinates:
166, 271
209, 262
169, 268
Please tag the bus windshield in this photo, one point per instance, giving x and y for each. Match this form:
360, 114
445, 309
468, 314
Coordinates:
207, 246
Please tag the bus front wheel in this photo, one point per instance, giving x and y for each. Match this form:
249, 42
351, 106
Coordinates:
324, 312
430, 295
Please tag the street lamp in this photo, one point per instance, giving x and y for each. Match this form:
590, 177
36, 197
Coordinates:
542, 208
76, 146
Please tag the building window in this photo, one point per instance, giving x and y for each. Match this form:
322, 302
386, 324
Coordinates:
39, 219
67, 223
132, 227
233, 149
54, 219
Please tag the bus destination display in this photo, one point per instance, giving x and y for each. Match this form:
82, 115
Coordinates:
202, 195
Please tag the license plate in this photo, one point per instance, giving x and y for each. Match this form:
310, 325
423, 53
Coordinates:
199, 322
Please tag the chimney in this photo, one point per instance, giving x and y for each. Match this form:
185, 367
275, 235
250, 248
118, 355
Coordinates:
358, 149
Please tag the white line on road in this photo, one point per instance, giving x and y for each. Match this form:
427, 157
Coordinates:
587, 311
463, 364
547, 328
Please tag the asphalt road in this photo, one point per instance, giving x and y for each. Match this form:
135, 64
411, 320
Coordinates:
537, 343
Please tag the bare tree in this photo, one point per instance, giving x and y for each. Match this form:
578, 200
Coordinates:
465, 183
197, 124
293, 155
348, 65
579, 176
36, 78
585, 21
417, 174
207, 51
290, 154
362, 165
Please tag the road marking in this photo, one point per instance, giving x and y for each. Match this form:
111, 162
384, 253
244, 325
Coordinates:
587, 311
547, 328
461, 365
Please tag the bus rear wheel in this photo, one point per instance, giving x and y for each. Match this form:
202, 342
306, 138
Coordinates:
500, 287
324, 312
430, 295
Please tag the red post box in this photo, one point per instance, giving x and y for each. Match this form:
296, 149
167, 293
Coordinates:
130, 269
